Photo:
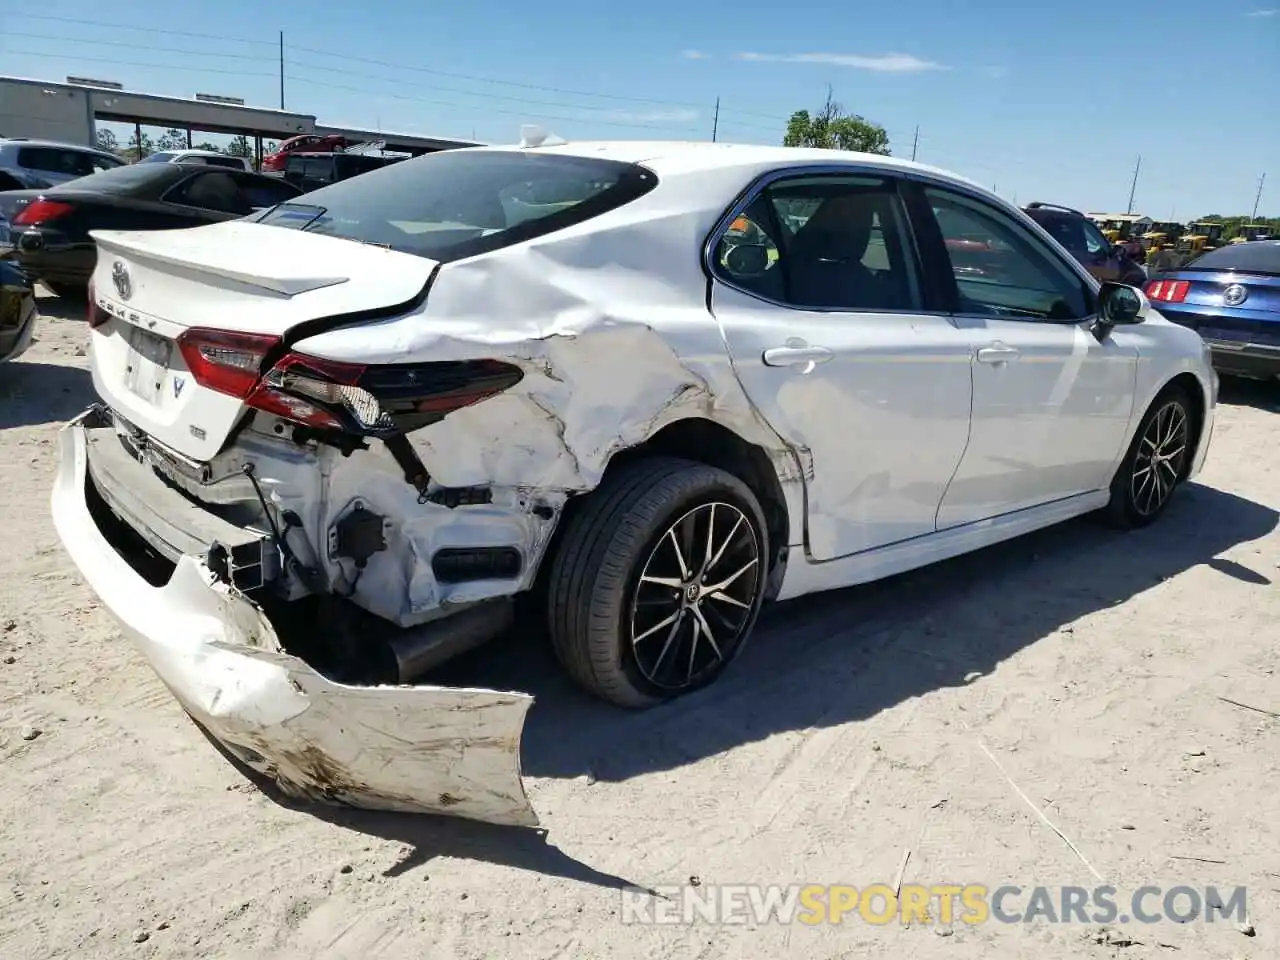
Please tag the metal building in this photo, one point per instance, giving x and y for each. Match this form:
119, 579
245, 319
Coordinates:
69, 112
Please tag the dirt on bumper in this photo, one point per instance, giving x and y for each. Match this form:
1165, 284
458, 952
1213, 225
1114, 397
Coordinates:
423, 749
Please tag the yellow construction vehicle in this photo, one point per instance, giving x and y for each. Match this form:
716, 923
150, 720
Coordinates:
1163, 233
1201, 235
1252, 231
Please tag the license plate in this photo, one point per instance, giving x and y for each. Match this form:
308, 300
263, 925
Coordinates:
147, 364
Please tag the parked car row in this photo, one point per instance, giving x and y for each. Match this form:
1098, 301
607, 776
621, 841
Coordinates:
48, 230
47, 225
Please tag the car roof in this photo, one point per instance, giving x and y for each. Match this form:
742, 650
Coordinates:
194, 152
680, 156
58, 144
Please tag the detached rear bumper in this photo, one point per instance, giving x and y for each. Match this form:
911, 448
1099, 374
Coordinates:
415, 749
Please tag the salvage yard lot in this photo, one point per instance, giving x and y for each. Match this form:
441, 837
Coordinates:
1088, 665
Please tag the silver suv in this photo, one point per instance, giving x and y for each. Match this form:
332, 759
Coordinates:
36, 164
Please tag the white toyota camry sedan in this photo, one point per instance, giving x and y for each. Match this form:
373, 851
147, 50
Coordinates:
635, 390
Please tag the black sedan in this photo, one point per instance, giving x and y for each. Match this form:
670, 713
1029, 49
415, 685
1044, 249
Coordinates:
1232, 297
48, 230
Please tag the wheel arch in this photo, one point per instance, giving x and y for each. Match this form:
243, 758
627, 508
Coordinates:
1198, 394
707, 442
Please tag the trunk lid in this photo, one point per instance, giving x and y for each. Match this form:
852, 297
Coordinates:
149, 288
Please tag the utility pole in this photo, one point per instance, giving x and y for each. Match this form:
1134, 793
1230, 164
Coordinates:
915, 142
715, 123
1257, 199
1134, 186
281, 69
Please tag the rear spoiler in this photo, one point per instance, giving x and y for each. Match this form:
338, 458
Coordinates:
154, 247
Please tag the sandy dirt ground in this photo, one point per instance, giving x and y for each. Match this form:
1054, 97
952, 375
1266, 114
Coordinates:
1078, 670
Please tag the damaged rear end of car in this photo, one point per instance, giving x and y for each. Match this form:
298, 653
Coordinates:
257, 513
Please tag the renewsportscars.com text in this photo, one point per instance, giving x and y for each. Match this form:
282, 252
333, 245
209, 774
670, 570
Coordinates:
879, 904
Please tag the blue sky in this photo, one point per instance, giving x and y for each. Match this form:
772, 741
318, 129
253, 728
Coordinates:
1042, 101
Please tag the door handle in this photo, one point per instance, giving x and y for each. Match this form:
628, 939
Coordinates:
796, 356
997, 353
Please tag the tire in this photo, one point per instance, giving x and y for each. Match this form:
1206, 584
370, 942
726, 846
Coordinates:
597, 601
1135, 502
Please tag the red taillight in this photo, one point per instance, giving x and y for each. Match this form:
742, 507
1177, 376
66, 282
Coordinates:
378, 399
41, 211
1168, 291
227, 362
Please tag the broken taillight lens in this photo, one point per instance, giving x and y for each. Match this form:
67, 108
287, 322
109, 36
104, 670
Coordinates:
376, 399
225, 361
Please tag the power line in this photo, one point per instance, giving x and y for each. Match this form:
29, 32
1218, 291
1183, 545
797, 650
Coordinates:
350, 58
156, 66
1133, 188
357, 74
1257, 199
656, 125
725, 111
217, 55
125, 26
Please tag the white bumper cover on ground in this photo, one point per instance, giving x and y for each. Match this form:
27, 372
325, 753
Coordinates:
415, 749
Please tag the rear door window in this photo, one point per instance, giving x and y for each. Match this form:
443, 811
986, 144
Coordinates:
98, 163
52, 160
823, 243
260, 192
459, 203
215, 190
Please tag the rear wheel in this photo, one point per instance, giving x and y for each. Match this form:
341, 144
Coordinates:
1156, 462
658, 581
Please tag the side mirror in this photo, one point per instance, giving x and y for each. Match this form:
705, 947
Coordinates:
1119, 305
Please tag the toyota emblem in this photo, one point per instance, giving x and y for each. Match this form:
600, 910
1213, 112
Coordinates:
120, 277
1235, 295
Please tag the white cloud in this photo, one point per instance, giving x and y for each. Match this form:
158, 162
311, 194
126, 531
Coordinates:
882, 63
695, 55
1263, 13
681, 115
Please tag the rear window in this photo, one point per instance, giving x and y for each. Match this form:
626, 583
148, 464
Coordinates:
163, 157
1259, 256
127, 178
234, 162
459, 203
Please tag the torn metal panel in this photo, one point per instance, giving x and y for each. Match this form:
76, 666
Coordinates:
425, 749
609, 322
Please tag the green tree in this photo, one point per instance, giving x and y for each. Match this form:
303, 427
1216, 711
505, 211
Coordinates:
107, 141
206, 145
240, 147
141, 148
173, 139
833, 129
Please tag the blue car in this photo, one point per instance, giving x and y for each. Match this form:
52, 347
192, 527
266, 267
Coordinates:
1231, 296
